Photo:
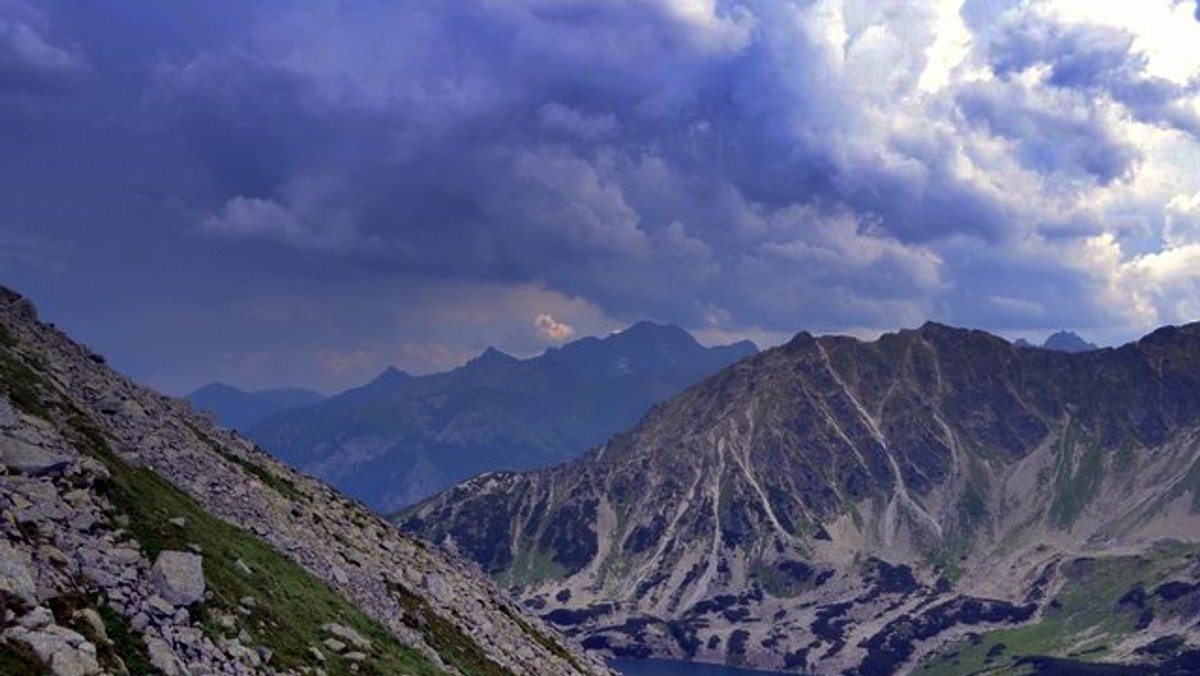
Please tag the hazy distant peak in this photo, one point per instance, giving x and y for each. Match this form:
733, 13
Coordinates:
1068, 341
391, 374
493, 356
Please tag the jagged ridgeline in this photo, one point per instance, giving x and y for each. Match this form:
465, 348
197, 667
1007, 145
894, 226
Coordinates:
938, 500
137, 538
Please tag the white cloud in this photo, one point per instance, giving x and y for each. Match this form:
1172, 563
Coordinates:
553, 330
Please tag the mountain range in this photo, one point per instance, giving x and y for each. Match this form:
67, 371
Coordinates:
139, 538
401, 438
937, 501
240, 410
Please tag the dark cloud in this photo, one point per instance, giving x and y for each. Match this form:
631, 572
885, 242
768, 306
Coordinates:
262, 185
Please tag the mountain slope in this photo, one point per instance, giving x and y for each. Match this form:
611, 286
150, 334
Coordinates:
839, 505
241, 410
401, 438
138, 538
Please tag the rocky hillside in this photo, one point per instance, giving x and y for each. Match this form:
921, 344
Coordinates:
402, 438
937, 500
138, 538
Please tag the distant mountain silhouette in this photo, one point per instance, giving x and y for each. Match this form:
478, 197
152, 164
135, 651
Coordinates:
239, 409
1062, 341
401, 438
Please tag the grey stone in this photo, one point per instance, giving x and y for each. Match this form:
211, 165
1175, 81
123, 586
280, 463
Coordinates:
179, 577
8, 415
347, 634
160, 606
37, 618
25, 458
333, 645
339, 575
317, 654
241, 567
178, 522
139, 622
162, 658
355, 656
94, 621
16, 572
437, 587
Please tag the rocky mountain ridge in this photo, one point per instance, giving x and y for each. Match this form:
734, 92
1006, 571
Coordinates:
938, 500
140, 538
400, 438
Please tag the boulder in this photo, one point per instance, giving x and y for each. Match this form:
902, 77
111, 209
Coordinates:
25, 458
16, 573
179, 577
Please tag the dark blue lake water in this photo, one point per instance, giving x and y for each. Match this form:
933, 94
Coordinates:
671, 668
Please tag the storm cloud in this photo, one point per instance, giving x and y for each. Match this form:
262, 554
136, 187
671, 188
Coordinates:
306, 192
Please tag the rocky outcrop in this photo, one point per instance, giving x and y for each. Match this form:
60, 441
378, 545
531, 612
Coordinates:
807, 507
146, 511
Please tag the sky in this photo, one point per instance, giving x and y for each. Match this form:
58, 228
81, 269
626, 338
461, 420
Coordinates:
303, 193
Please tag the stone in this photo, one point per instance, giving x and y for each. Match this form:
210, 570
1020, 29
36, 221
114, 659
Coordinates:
178, 522
8, 415
179, 577
66, 652
339, 575
162, 658
355, 656
317, 654
333, 645
160, 606
95, 623
437, 587
37, 618
241, 567
23, 457
264, 653
16, 572
347, 634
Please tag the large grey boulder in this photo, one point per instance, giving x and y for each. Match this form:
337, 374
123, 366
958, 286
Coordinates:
16, 572
179, 577
25, 458
66, 652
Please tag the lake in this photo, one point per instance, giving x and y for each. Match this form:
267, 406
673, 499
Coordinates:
673, 668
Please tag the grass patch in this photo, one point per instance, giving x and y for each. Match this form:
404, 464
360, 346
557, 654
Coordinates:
532, 566
24, 386
6, 338
457, 648
125, 644
291, 604
1081, 620
1076, 481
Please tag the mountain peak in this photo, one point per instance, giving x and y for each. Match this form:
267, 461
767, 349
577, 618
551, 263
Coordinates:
1068, 341
493, 356
390, 376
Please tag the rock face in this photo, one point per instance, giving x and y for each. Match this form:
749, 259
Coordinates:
836, 505
122, 554
401, 438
